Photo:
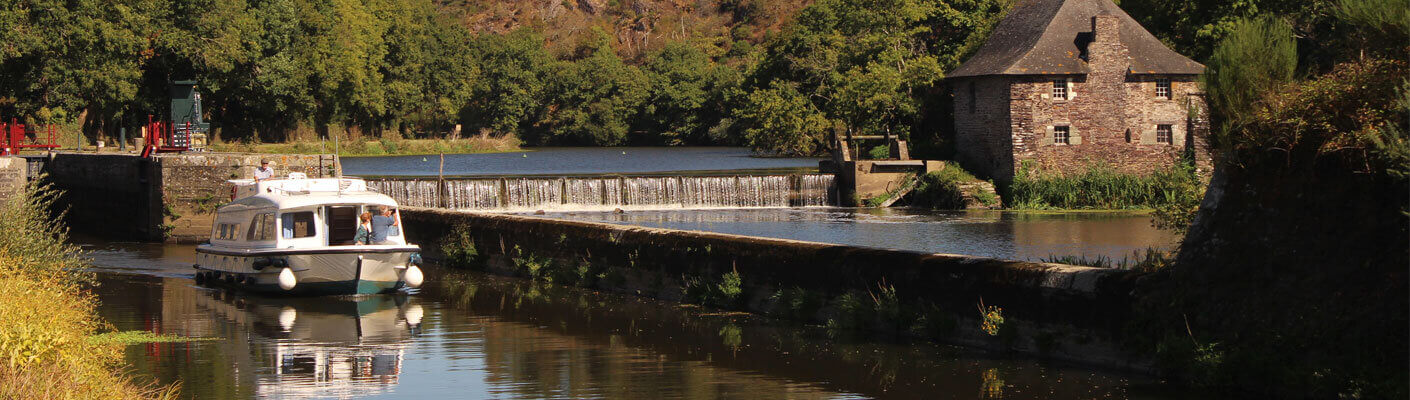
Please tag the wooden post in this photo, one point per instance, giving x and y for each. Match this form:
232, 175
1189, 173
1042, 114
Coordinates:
441, 184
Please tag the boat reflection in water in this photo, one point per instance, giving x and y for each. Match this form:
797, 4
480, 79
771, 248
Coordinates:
323, 345
265, 346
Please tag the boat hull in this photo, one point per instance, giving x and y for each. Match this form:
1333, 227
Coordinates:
324, 271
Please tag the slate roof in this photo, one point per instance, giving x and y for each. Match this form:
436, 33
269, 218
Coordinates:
1047, 37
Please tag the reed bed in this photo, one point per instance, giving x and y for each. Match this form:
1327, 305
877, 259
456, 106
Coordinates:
1102, 187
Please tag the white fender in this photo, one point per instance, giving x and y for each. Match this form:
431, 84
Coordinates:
413, 276
287, 279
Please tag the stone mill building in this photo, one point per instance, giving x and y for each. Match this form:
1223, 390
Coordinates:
1069, 83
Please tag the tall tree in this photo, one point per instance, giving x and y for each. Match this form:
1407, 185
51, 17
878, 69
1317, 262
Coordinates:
597, 97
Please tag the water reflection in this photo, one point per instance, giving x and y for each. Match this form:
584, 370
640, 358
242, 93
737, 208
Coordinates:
1001, 234
269, 347
322, 347
471, 335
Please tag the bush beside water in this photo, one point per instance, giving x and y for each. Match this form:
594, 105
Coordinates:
53, 353
941, 189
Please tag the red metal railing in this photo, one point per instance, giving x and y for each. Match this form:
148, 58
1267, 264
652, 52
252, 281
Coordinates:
162, 137
16, 136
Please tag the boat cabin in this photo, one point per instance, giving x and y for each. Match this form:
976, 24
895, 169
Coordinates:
296, 212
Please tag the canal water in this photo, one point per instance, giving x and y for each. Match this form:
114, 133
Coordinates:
579, 161
469, 335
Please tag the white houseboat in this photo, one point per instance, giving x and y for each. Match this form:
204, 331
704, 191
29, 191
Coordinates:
296, 235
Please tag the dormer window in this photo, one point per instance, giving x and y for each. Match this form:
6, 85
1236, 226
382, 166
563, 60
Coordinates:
1162, 89
1060, 89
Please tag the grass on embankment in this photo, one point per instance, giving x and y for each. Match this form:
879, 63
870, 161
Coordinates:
382, 147
48, 321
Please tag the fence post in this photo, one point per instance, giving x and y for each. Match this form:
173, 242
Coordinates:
441, 190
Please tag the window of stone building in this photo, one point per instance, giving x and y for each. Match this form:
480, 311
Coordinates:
1163, 134
1060, 89
1162, 88
1062, 135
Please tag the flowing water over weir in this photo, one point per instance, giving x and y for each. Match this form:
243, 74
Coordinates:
606, 193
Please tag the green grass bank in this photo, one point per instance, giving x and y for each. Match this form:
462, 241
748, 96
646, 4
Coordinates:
382, 147
51, 341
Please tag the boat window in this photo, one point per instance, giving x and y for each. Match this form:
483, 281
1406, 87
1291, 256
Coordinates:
261, 228
297, 224
227, 231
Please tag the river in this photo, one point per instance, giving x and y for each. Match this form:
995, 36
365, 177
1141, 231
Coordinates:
469, 335
1001, 234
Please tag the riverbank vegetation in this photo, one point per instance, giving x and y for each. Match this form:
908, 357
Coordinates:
1102, 187
48, 320
951, 188
779, 76
1292, 282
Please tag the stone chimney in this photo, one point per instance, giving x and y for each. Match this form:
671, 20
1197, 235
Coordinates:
1106, 28
1106, 51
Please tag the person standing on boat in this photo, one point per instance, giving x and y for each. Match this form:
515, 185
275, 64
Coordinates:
364, 229
383, 225
264, 171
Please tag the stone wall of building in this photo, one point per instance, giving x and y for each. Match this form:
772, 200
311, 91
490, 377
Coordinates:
982, 142
1108, 124
1112, 116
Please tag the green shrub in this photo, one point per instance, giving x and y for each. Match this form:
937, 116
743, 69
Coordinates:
941, 189
1257, 55
796, 303
459, 248
724, 293
881, 152
390, 146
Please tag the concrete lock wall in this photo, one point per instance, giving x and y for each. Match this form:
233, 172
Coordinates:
194, 184
1060, 311
169, 197
108, 194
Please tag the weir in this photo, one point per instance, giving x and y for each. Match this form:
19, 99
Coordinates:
611, 192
